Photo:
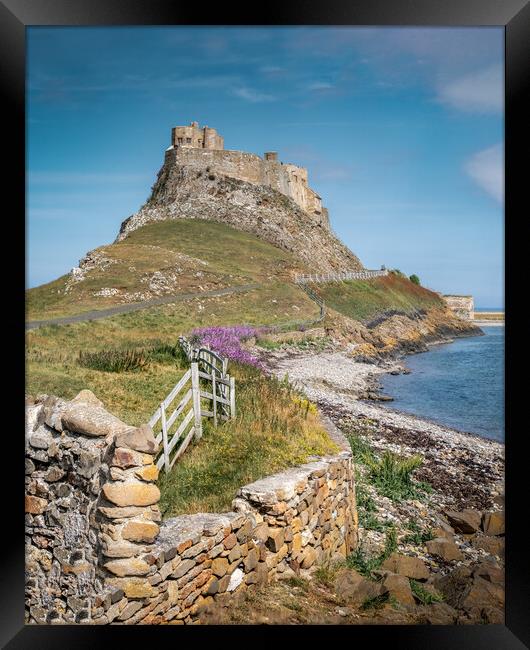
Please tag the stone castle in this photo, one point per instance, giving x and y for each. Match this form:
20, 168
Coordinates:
205, 146
200, 179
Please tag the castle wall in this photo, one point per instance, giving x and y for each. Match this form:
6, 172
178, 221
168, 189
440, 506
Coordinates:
288, 179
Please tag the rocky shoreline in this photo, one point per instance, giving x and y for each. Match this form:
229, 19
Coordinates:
449, 530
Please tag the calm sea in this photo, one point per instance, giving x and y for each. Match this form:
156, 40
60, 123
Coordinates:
460, 384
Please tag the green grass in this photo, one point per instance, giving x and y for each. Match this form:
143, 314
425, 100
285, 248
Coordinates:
112, 360
424, 596
364, 300
417, 535
273, 430
52, 352
392, 475
366, 564
201, 254
377, 602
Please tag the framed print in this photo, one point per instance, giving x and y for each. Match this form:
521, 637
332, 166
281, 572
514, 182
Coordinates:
267, 381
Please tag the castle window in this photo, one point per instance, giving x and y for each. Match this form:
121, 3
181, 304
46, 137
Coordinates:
179, 140
188, 140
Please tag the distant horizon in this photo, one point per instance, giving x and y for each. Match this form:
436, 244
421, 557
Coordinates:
401, 130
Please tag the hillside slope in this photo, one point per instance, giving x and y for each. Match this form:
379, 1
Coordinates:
190, 191
164, 259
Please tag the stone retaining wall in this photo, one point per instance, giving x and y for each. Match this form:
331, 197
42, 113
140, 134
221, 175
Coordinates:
96, 551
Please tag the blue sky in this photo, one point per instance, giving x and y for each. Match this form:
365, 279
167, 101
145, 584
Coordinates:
401, 130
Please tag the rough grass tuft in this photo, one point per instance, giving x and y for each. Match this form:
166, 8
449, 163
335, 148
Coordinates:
367, 564
392, 475
273, 430
112, 360
424, 596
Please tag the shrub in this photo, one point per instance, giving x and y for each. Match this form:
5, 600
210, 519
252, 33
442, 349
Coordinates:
392, 475
424, 596
113, 360
366, 565
166, 353
227, 342
417, 536
414, 278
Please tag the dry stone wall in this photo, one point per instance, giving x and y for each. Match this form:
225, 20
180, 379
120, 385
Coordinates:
97, 552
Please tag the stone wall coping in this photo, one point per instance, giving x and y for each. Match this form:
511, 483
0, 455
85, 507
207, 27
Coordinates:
180, 529
285, 485
83, 416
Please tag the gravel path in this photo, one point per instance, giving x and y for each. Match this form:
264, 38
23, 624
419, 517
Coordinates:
136, 306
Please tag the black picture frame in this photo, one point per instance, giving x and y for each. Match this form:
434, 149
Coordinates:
15, 16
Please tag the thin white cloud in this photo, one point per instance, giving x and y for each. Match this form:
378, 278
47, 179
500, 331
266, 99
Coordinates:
254, 96
486, 168
481, 91
320, 85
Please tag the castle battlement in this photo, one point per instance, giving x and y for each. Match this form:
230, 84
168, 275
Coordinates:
204, 147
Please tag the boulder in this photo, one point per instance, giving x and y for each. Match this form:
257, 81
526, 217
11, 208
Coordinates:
137, 438
404, 565
492, 615
493, 523
87, 396
489, 571
398, 587
352, 586
492, 545
464, 589
444, 548
467, 521
90, 420
437, 614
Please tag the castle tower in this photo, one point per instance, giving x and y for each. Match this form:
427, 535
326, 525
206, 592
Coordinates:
195, 137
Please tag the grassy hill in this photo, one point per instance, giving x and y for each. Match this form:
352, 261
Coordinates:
369, 300
166, 258
271, 431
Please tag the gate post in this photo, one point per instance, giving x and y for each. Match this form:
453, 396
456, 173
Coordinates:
196, 398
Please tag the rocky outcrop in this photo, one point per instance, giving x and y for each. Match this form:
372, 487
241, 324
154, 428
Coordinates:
191, 192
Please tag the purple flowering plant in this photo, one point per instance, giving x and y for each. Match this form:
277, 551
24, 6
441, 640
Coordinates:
226, 341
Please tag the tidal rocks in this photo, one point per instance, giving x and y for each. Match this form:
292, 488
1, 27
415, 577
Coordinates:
467, 521
411, 567
445, 549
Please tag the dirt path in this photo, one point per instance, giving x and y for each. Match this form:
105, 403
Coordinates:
125, 309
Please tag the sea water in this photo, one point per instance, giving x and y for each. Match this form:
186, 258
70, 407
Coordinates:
460, 384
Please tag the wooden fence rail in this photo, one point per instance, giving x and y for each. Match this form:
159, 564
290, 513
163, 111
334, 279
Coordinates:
206, 379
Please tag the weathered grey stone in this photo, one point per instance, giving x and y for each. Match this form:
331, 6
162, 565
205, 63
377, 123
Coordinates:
130, 609
137, 438
89, 420
183, 568
87, 397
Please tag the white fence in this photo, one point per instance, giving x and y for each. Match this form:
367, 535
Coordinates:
337, 277
176, 431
